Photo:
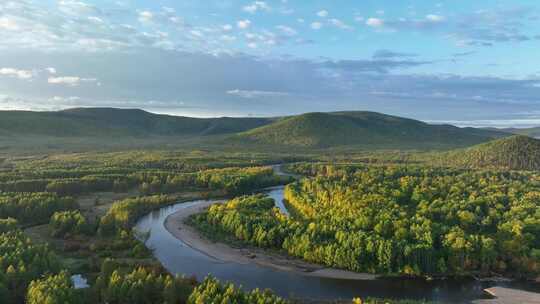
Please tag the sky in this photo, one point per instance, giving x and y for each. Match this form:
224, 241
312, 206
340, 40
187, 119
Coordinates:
470, 63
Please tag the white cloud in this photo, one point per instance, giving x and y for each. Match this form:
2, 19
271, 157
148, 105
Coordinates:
146, 16
375, 22
227, 38
71, 80
169, 10
252, 45
51, 70
197, 33
435, 18
9, 24
227, 27
77, 8
323, 13
316, 25
250, 94
289, 31
243, 24
340, 24
256, 6
95, 19
20, 74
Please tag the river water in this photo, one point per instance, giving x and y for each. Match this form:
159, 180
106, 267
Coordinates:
181, 259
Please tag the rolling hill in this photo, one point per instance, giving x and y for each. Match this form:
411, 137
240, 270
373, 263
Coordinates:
111, 127
364, 129
109, 122
514, 153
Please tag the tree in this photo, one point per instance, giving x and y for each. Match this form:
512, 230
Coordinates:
53, 289
68, 223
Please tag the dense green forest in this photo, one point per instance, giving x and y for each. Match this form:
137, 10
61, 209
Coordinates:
49, 190
53, 289
153, 172
35, 207
21, 261
391, 212
396, 219
514, 153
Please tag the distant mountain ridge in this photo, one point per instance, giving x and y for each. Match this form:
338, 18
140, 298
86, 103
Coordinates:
110, 122
310, 130
531, 132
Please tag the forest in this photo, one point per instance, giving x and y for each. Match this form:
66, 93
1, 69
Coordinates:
396, 220
386, 214
47, 193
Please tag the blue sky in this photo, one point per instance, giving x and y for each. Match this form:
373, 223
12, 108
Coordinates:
465, 62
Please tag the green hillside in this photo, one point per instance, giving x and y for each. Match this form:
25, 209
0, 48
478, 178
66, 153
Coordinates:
366, 129
514, 153
109, 122
85, 129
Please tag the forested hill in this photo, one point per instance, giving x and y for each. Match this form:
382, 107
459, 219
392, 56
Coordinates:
364, 129
110, 122
84, 127
516, 153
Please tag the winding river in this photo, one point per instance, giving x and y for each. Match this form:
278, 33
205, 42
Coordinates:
179, 258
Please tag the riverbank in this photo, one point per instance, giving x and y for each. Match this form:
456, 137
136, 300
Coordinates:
509, 296
175, 224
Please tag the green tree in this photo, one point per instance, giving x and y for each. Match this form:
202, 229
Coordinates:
53, 289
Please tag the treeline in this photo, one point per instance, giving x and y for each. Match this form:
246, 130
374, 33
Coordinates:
212, 291
252, 219
72, 186
408, 220
229, 181
32, 208
123, 214
37, 173
140, 285
178, 161
118, 283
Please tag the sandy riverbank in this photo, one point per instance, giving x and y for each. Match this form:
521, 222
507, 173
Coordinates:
224, 253
510, 296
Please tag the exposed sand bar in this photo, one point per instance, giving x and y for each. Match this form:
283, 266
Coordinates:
225, 253
510, 296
